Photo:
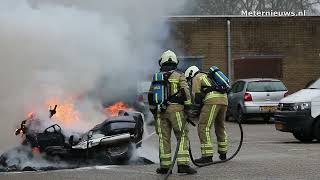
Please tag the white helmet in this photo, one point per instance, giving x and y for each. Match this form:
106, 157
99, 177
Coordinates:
191, 71
168, 56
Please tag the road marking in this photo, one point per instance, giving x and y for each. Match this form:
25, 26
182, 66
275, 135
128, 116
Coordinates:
255, 142
301, 149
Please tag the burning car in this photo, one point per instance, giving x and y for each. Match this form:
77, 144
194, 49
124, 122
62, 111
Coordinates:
110, 142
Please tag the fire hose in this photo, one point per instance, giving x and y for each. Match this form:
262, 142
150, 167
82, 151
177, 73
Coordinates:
190, 152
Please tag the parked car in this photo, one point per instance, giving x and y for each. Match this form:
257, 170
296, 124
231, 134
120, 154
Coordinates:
141, 103
299, 113
255, 98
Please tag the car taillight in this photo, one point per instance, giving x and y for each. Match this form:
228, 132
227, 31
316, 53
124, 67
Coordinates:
247, 97
286, 94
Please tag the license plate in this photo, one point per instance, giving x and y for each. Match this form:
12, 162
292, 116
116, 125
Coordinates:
268, 108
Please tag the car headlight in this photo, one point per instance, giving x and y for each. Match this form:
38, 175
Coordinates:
302, 106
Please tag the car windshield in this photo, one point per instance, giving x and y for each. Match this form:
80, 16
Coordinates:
95, 134
266, 86
315, 85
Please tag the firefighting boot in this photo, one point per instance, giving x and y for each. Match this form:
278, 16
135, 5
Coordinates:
186, 169
204, 160
223, 156
162, 170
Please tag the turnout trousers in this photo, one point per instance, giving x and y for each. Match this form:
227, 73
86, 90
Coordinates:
212, 114
165, 123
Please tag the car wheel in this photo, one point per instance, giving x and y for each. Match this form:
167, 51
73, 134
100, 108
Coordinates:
240, 116
121, 154
303, 137
316, 130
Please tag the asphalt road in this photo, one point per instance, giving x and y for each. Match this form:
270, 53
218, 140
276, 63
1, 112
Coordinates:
266, 154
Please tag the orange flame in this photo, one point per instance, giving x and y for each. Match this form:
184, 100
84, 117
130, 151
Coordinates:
114, 109
30, 115
65, 112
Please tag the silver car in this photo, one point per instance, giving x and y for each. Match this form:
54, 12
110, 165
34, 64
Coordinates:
257, 97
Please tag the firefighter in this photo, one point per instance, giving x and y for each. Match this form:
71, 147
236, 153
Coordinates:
213, 111
172, 117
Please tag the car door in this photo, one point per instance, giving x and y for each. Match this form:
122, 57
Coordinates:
233, 97
239, 96
51, 136
315, 107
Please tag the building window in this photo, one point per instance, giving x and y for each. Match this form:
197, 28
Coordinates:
187, 61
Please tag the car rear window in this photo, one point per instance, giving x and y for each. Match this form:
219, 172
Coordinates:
266, 86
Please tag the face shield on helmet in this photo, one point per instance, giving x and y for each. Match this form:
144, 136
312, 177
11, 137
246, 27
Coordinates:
191, 71
168, 57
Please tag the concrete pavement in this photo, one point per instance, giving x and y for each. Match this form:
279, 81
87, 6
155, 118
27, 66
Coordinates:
266, 154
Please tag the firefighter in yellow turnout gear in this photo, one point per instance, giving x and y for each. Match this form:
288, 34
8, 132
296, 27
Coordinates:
213, 112
172, 117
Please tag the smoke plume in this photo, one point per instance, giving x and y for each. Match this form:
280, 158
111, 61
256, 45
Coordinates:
68, 48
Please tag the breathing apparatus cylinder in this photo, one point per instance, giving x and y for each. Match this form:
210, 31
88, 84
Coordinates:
160, 91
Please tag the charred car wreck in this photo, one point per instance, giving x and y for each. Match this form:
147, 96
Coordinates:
111, 142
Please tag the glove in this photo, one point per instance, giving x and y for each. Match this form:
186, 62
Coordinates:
192, 111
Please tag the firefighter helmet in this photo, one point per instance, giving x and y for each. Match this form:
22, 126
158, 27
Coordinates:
191, 71
168, 57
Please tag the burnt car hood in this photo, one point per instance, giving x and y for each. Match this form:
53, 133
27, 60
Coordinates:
116, 125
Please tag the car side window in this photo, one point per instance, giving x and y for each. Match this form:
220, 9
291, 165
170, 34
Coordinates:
235, 87
50, 130
240, 86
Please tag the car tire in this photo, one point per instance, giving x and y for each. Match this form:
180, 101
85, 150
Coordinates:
123, 157
303, 136
229, 116
240, 116
316, 130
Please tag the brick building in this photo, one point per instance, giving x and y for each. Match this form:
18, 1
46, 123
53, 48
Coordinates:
287, 48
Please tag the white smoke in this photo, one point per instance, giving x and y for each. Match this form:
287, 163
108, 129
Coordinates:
21, 157
64, 47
